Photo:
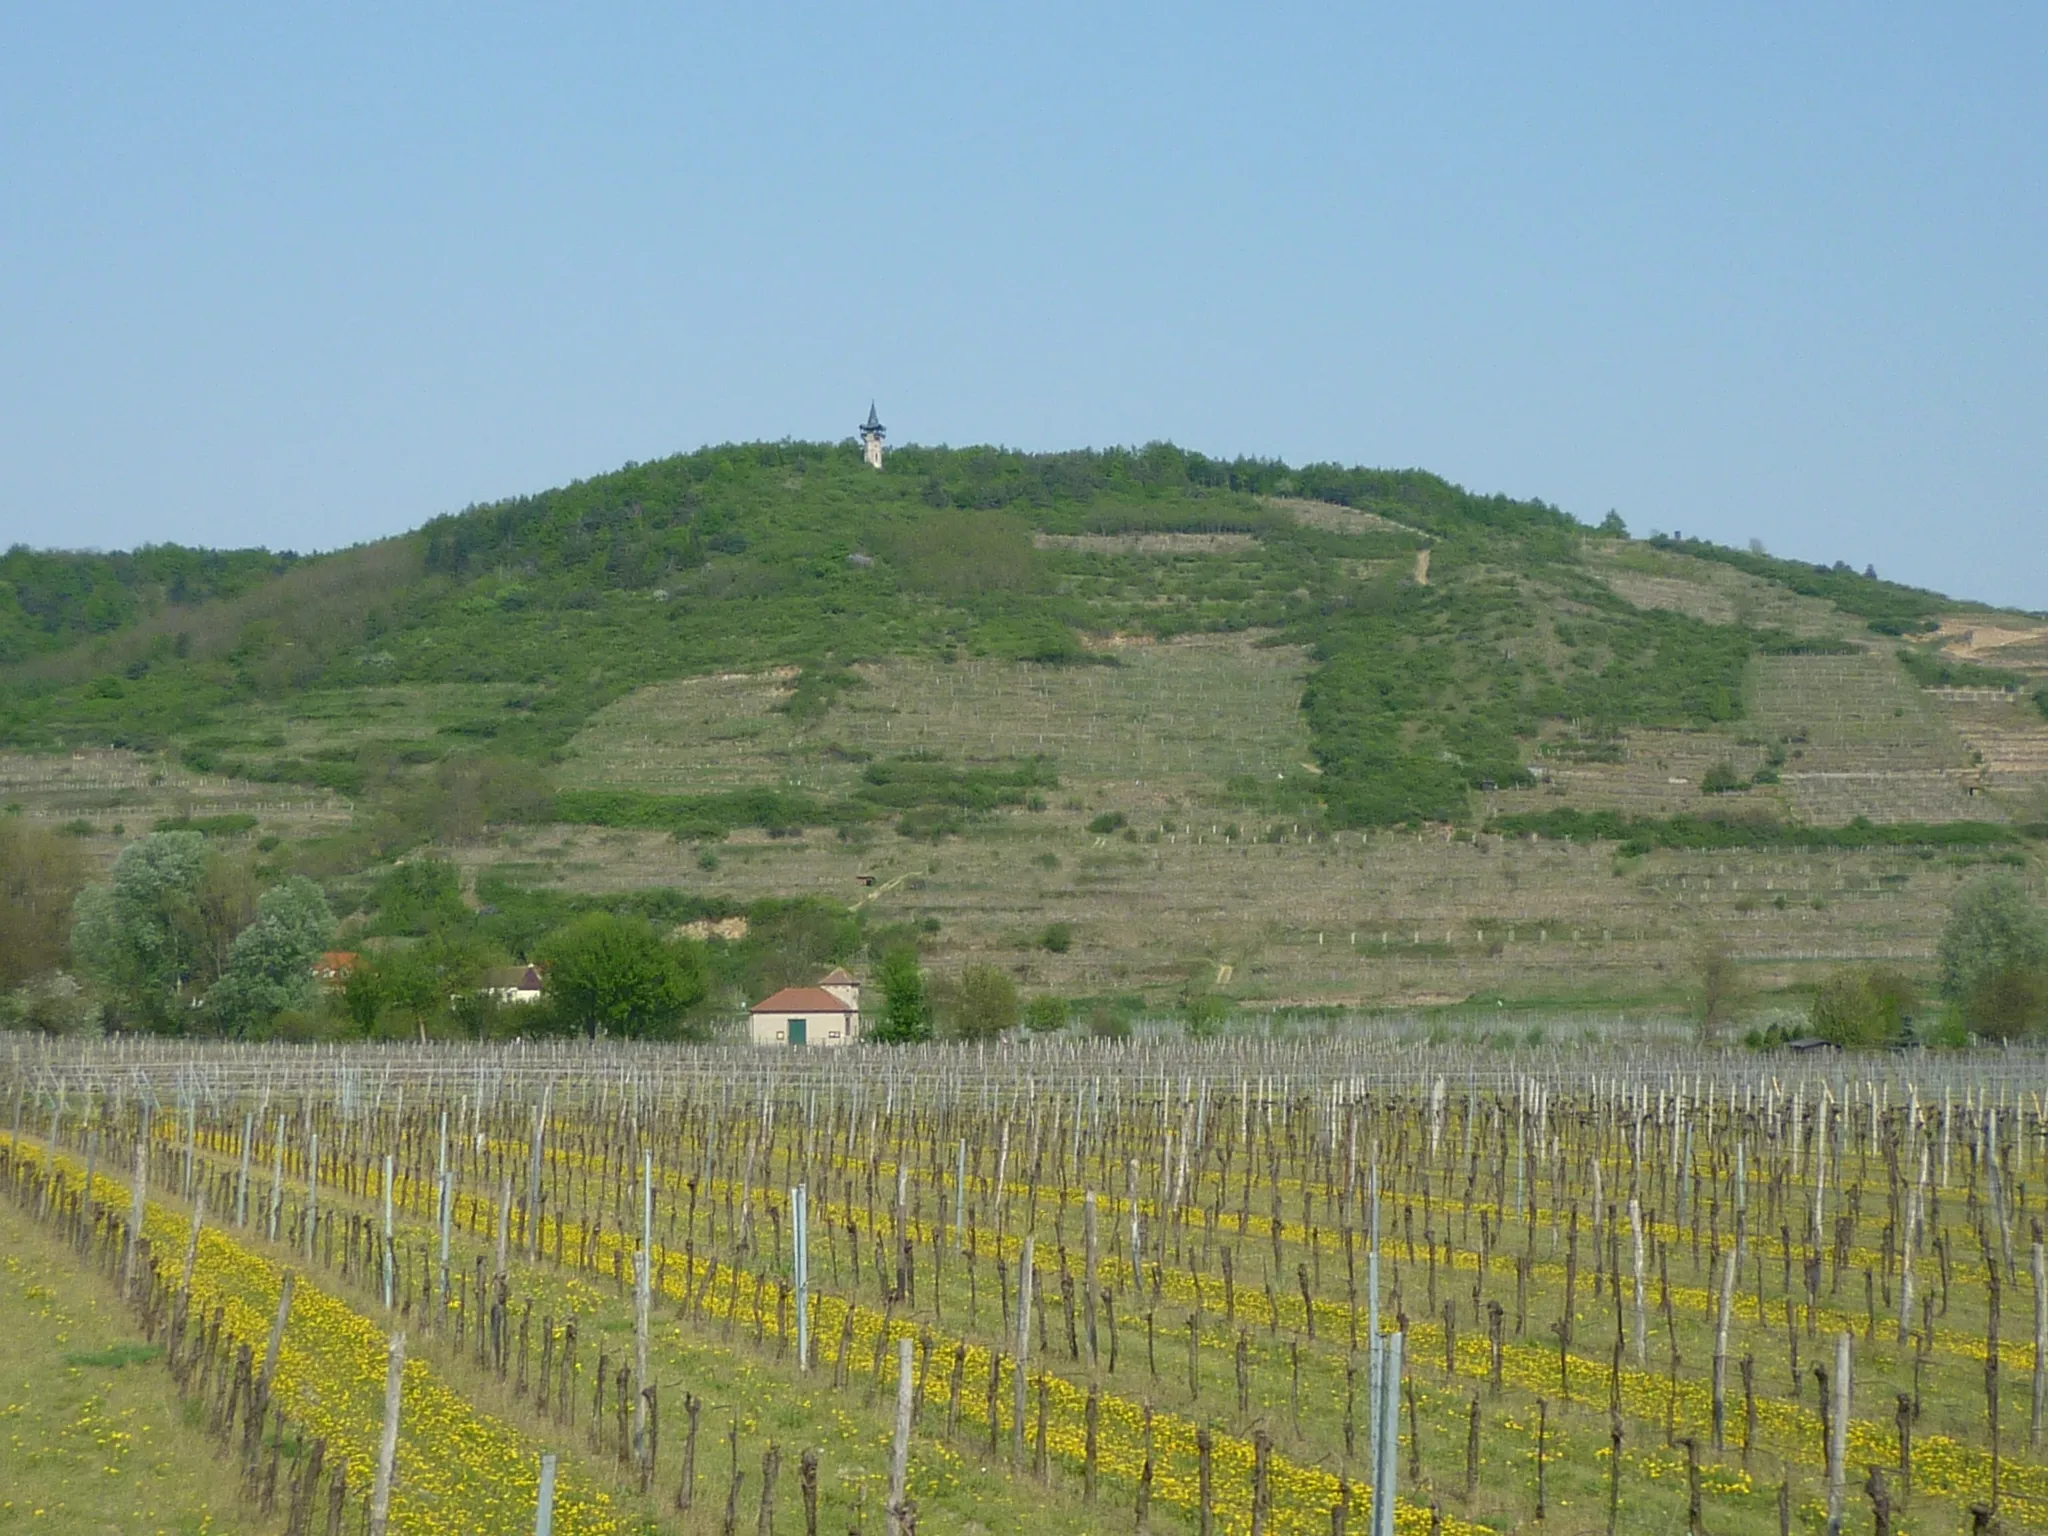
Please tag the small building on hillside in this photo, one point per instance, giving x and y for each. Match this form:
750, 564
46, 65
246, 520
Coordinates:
515, 983
827, 1014
334, 968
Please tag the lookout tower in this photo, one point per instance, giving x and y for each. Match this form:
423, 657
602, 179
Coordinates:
871, 438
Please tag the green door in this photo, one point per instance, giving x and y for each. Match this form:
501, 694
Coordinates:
799, 1031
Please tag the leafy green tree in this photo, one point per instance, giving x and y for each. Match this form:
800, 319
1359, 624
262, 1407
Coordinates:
418, 897
40, 877
1720, 993
613, 975
2010, 1003
134, 935
1045, 1014
270, 968
362, 994
1993, 926
987, 1004
1722, 779
906, 1010
1862, 1008
51, 1004
792, 943
1204, 1011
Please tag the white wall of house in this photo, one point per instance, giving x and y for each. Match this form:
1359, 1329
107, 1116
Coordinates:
820, 1029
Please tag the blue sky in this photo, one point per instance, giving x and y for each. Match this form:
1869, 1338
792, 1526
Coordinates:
303, 276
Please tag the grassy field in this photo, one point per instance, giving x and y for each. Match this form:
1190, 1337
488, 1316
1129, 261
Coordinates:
96, 1440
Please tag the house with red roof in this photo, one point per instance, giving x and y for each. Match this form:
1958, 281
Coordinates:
825, 1015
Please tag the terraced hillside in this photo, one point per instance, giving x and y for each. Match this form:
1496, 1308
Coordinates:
1284, 734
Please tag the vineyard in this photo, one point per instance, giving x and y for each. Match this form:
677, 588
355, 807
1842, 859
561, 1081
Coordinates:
1208, 1287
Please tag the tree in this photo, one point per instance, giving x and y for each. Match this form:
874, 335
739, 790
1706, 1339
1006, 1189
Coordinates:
1993, 925
987, 1004
270, 967
40, 877
1205, 1011
614, 975
1862, 1008
2010, 1003
413, 989
789, 944
134, 935
220, 906
1045, 1014
1722, 779
419, 896
52, 1004
906, 1010
1720, 988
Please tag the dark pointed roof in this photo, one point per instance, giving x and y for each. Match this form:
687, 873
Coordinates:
873, 423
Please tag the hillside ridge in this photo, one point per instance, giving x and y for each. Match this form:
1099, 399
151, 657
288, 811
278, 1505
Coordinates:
670, 674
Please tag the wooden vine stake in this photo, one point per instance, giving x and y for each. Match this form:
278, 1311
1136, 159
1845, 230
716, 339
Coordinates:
387, 1446
544, 1508
899, 1455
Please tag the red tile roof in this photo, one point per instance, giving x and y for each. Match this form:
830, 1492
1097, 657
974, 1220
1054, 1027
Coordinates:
801, 1000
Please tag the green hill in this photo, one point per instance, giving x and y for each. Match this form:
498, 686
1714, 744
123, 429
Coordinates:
775, 651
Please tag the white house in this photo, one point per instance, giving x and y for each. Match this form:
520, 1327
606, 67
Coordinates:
826, 1015
515, 983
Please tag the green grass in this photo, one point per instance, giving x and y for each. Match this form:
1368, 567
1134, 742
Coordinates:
92, 1445
116, 1356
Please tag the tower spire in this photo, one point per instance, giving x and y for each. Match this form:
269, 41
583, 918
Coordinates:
872, 437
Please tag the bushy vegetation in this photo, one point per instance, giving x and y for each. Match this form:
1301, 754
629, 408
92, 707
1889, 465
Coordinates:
1863, 1007
1888, 607
1425, 693
1994, 958
1640, 834
53, 598
1930, 668
41, 874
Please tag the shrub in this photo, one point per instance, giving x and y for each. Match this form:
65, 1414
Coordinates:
1861, 1008
906, 1011
1204, 1012
1058, 937
1107, 822
987, 1004
1045, 1014
1106, 1022
1721, 779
